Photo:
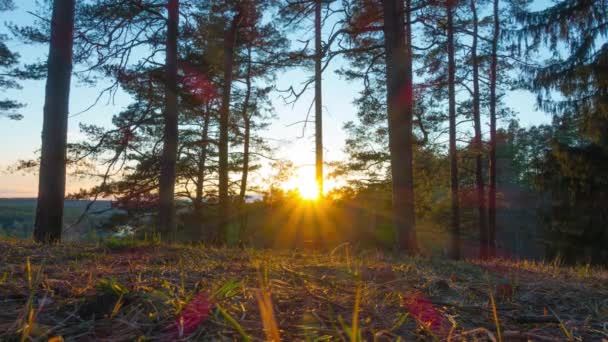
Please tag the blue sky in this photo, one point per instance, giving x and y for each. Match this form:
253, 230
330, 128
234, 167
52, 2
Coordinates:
20, 139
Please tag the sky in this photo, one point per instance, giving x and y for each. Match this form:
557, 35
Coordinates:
21, 139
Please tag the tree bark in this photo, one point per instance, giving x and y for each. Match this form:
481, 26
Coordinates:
479, 183
200, 181
51, 186
247, 129
202, 161
246, 141
400, 110
166, 214
455, 219
224, 205
318, 100
493, 101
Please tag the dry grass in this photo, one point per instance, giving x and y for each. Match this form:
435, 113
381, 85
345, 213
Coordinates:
85, 292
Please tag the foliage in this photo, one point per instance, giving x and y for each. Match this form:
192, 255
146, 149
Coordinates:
574, 167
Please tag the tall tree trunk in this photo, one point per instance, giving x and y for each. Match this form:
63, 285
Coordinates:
51, 186
166, 214
202, 161
224, 210
318, 100
400, 110
493, 101
246, 156
200, 181
455, 229
479, 184
246, 141
247, 129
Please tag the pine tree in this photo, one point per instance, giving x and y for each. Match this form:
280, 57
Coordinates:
491, 237
455, 222
167, 177
576, 165
51, 188
579, 27
400, 106
477, 140
9, 62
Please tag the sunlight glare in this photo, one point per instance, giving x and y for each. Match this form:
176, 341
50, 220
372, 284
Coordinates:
308, 190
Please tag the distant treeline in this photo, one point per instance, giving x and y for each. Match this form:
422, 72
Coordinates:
17, 217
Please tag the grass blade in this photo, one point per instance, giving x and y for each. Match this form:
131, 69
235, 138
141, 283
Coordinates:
234, 323
495, 315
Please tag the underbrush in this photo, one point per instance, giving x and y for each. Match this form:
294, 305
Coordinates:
118, 243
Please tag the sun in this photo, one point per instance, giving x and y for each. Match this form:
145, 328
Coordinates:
308, 190
303, 182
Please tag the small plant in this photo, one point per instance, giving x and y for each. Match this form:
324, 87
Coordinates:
233, 323
29, 317
152, 239
119, 243
563, 327
584, 271
112, 287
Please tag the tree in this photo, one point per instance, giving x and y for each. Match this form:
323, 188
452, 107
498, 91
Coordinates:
51, 187
167, 177
491, 238
8, 65
455, 222
478, 140
578, 161
230, 37
294, 13
263, 48
580, 74
318, 100
399, 92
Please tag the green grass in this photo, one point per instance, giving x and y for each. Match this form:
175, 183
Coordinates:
126, 290
119, 243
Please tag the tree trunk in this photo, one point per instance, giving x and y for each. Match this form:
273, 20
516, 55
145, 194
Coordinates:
455, 221
200, 181
166, 214
51, 186
224, 205
247, 130
245, 174
493, 100
318, 100
479, 184
400, 110
246, 142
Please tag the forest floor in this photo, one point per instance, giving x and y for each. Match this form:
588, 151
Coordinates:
137, 292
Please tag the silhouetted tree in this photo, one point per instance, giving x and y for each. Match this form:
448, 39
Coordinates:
167, 177
455, 218
51, 187
576, 167
9, 61
399, 92
477, 140
493, 113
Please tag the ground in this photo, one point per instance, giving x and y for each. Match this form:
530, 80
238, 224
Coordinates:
148, 291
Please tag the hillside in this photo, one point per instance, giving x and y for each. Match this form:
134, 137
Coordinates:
126, 291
